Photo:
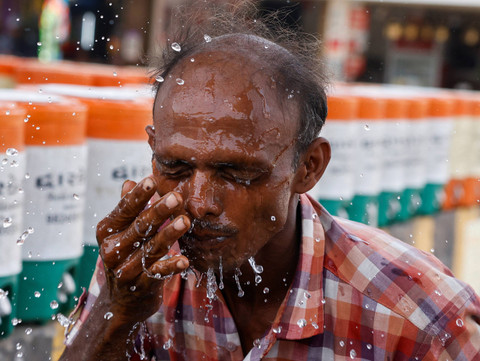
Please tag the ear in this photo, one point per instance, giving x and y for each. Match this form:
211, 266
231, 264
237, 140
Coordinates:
311, 165
150, 129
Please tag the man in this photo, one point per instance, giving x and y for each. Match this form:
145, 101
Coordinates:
260, 270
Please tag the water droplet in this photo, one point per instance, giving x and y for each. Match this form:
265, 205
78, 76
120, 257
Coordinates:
109, 230
236, 276
16, 321
273, 219
111, 47
76, 196
4, 161
167, 344
115, 73
266, 290
133, 288
176, 47
459, 322
18, 346
366, 127
353, 354
432, 250
14, 164
207, 38
211, 285
39, 44
159, 79
258, 279
192, 60
444, 338
22, 238
324, 301
341, 343
369, 347
277, 329
7, 222
12, 152
302, 323
37, 294
27, 175
315, 325
54, 305
28, 331
438, 293
307, 294
257, 343
180, 81
108, 315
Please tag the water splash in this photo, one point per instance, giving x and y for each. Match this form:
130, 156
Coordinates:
237, 274
257, 269
211, 285
12, 152
207, 38
220, 269
24, 235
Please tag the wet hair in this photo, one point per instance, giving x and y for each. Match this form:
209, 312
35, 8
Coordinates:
294, 61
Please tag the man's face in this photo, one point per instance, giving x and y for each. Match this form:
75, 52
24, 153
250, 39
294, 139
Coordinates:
226, 144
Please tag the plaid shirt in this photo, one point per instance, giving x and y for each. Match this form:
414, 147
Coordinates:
358, 293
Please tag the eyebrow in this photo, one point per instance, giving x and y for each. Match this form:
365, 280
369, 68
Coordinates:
235, 165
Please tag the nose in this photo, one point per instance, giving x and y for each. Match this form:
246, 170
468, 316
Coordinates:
201, 200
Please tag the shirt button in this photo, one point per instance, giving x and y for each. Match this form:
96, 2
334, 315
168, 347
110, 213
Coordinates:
231, 346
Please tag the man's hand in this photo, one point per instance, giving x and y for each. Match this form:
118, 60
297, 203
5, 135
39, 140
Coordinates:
132, 242
132, 247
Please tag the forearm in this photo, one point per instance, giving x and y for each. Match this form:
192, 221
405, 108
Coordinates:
106, 335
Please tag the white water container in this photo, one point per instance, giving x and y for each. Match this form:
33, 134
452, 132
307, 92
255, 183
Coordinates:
337, 183
51, 243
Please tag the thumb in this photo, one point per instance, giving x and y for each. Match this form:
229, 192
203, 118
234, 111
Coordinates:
127, 186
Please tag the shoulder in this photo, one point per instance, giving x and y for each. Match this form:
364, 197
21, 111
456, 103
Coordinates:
411, 283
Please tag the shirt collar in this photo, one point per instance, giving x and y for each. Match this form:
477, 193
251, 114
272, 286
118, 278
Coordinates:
301, 314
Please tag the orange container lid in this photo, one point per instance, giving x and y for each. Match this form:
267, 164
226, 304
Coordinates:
119, 120
11, 126
417, 108
440, 107
34, 72
396, 108
476, 106
52, 120
342, 107
371, 108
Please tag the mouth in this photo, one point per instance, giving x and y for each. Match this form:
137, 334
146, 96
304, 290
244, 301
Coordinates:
205, 236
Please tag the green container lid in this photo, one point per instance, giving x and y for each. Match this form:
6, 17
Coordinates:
46, 288
364, 209
410, 202
389, 207
432, 196
87, 267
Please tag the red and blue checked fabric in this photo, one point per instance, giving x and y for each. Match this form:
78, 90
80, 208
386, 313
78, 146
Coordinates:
358, 294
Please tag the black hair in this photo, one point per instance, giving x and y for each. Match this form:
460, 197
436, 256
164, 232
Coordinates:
295, 61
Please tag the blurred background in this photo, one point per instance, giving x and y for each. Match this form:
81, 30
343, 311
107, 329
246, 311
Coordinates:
75, 97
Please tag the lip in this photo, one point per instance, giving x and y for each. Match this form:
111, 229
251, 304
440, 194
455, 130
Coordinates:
205, 240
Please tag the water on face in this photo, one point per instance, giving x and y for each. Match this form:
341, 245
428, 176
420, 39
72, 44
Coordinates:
257, 269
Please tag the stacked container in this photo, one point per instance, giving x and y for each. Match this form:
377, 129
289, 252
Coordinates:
370, 130
415, 160
336, 187
440, 114
54, 203
393, 162
12, 171
117, 150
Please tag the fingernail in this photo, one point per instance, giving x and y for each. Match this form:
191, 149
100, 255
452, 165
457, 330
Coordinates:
171, 201
179, 224
125, 182
147, 184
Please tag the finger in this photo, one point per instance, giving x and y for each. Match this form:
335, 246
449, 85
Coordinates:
147, 223
154, 250
171, 266
145, 226
127, 209
127, 186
